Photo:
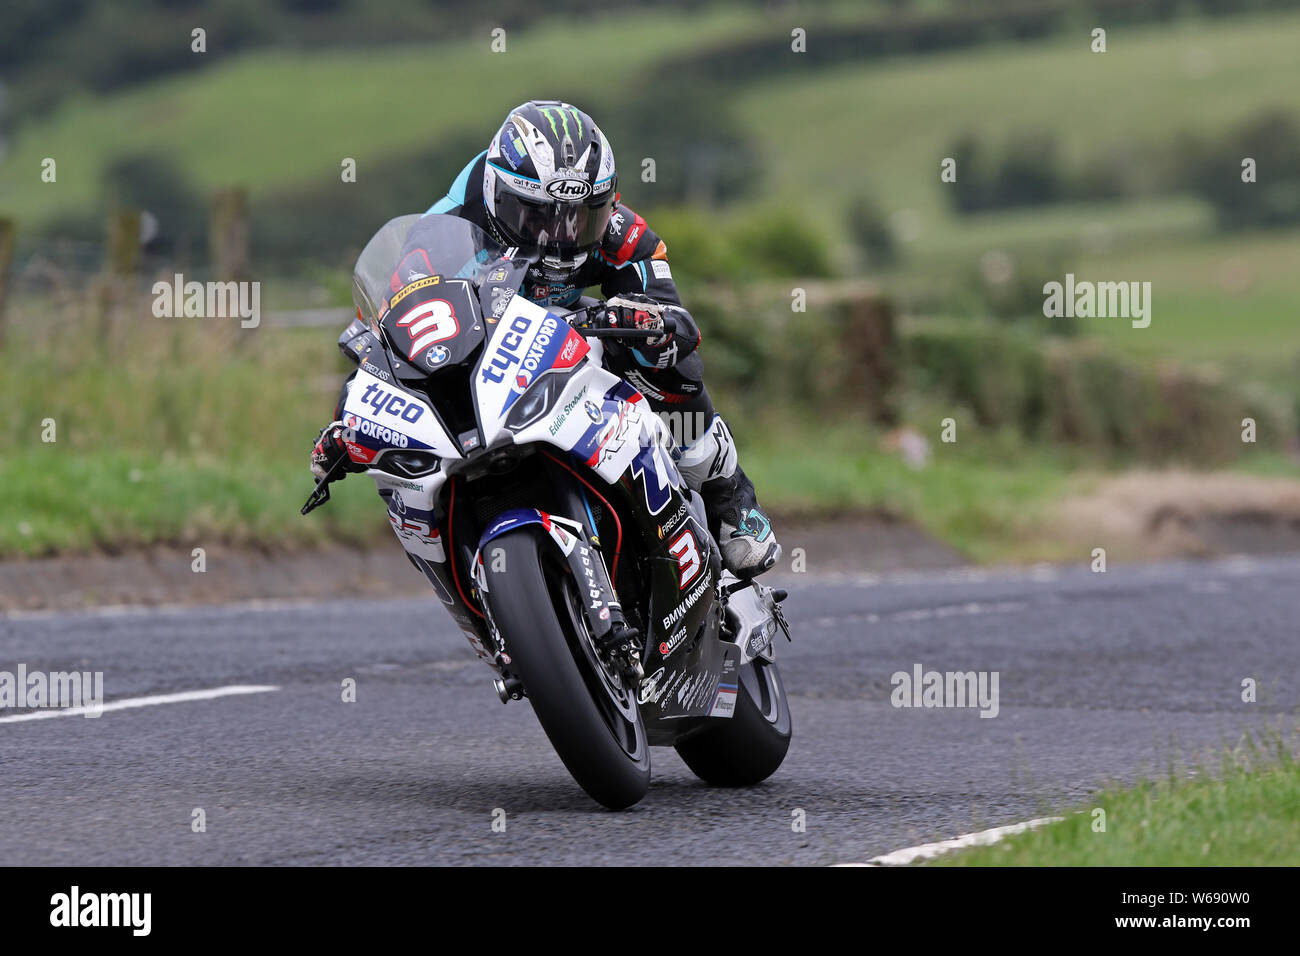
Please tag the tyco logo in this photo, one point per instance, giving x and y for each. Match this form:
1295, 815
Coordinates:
390, 403
506, 355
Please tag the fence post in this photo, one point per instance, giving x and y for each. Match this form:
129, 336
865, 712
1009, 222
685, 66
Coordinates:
228, 234
6, 259
121, 261
871, 340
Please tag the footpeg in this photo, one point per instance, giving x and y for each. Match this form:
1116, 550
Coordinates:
509, 689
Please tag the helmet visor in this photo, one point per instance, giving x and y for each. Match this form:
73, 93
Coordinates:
564, 227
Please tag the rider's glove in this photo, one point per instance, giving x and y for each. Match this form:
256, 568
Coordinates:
330, 448
636, 311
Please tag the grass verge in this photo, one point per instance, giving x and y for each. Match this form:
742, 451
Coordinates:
1245, 814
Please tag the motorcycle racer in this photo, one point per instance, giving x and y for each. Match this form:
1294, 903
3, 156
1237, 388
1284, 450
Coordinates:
548, 183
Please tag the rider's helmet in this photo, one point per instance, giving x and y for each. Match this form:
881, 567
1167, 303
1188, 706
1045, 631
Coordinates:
549, 185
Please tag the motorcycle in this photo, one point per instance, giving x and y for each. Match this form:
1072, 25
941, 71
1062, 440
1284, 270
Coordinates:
540, 498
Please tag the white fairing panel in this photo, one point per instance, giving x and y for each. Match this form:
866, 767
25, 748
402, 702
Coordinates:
411, 511
597, 416
382, 416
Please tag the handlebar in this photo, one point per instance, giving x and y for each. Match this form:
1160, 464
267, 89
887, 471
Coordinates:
580, 319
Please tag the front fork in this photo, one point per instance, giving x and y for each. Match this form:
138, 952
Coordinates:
616, 641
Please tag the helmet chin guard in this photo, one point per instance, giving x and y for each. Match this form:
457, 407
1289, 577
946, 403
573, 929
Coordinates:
558, 268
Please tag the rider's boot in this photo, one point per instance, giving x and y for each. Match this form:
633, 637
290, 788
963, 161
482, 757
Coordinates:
741, 528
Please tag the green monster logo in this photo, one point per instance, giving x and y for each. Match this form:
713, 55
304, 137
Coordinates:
550, 112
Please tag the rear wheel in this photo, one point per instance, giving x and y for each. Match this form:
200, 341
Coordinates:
589, 713
751, 745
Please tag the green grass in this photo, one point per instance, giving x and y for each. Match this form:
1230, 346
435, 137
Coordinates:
830, 133
1072, 229
219, 435
981, 495
194, 432
65, 499
63, 502
1245, 812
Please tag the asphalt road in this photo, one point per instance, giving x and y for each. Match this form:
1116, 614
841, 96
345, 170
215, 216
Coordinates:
1101, 677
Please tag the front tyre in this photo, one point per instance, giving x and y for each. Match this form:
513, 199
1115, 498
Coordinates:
750, 745
590, 715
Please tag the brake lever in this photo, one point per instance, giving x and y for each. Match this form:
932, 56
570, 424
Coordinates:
321, 493
580, 319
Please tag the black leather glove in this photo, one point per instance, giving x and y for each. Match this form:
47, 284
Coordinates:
330, 448
635, 311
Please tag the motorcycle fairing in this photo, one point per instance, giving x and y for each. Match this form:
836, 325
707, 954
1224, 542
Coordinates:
704, 685
385, 415
411, 512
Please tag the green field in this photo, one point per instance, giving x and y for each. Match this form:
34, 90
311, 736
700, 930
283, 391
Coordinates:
1230, 304
282, 119
885, 128
830, 134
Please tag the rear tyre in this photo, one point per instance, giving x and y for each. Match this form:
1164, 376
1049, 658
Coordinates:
590, 715
750, 746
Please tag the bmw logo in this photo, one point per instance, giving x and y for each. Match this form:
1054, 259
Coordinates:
594, 412
436, 355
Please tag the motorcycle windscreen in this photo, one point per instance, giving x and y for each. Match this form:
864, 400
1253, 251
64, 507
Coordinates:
414, 247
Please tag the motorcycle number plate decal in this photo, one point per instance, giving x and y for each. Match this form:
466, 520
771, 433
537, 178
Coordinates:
724, 701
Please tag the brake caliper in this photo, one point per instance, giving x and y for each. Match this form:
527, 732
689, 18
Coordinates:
621, 647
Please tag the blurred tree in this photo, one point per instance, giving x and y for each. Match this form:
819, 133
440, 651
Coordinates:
1214, 171
869, 229
1028, 174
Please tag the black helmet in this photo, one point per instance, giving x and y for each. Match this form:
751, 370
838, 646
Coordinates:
549, 184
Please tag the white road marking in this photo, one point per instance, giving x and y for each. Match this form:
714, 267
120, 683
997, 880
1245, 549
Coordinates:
924, 613
927, 851
129, 610
151, 701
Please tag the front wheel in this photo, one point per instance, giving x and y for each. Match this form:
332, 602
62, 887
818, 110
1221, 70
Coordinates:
590, 714
750, 745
